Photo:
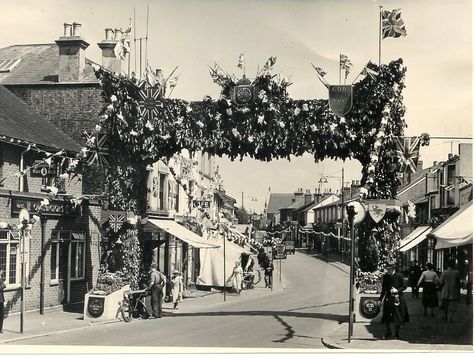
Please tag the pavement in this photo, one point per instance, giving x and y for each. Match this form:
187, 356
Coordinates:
422, 333
57, 320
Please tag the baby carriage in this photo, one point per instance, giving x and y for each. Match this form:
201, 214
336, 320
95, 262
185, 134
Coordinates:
248, 280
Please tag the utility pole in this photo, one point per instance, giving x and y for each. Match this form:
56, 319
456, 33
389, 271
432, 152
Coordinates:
342, 214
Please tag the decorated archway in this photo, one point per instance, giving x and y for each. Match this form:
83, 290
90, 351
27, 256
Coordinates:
142, 126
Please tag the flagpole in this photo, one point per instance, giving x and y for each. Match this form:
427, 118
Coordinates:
380, 34
340, 81
146, 38
135, 39
129, 53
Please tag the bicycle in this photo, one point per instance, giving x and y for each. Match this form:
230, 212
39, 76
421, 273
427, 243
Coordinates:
134, 305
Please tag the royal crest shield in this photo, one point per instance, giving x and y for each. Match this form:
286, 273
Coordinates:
340, 99
377, 211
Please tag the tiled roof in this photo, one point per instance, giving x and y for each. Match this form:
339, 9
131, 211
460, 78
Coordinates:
39, 65
20, 121
298, 202
278, 200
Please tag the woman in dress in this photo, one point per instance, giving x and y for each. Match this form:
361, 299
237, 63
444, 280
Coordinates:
177, 288
429, 281
236, 277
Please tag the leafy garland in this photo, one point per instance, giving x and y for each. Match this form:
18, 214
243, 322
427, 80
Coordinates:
273, 126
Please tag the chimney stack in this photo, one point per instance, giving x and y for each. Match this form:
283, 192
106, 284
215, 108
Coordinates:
109, 60
72, 59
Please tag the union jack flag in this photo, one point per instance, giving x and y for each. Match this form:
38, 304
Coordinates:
149, 102
98, 150
408, 152
116, 220
392, 24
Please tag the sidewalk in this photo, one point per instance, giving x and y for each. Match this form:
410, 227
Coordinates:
420, 334
56, 320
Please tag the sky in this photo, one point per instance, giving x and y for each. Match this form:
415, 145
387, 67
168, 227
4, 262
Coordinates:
194, 34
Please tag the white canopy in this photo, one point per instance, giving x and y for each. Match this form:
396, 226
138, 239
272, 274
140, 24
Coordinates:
182, 233
414, 238
456, 230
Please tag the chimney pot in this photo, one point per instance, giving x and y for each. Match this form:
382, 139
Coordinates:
67, 29
118, 34
76, 29
109, 33
435, 163
450, 155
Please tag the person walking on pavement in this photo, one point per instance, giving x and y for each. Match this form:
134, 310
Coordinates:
413, 276
269, 274
236, 277
450, 290
2, 299
157, 285
430, 281
177, 288
394, 305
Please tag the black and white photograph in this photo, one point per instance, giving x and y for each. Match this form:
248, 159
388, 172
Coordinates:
236, 177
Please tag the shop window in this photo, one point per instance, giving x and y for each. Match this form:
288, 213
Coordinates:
67, 253
10, 256
162, 191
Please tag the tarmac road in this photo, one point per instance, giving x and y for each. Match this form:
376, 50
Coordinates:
311, 304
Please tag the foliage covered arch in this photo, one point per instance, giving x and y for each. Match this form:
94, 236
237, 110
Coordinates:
273, 126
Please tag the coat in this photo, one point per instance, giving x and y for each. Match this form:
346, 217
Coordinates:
237, 276
394, 309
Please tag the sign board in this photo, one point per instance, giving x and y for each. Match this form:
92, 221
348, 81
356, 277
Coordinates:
201, 203
42, 169
243, 94
360, 211
54, 208
340, 99
290, 246
279, 252
377, 211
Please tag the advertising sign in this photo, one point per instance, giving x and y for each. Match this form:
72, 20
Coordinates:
42, 169
201, 203
340, 99
57, 208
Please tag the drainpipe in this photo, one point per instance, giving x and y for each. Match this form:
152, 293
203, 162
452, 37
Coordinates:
21, 179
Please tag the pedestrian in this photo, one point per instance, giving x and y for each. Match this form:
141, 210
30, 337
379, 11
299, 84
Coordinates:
413, 276
2, 299
269, 274
157, 285
236, 277
177, 288
430, 282
450, 290
395, 310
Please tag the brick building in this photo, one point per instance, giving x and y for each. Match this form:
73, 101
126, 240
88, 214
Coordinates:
67, 232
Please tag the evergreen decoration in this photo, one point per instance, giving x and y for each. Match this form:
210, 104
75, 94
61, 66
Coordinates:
269, 127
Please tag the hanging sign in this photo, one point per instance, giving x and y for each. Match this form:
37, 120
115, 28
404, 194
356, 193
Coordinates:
377, 211
340, 99
54, 208
360, 211
42, 169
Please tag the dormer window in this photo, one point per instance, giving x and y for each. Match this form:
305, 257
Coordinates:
8, 65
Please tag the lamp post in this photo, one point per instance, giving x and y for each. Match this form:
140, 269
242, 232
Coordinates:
23, 219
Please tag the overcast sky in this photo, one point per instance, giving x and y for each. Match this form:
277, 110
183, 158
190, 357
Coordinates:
194, 34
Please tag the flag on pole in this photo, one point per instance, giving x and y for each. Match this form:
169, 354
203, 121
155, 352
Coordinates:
392, 24
269, 64
369, 72
320, 71
123, 45
150, 76
172, 82
241, 63
408, 152
345, 64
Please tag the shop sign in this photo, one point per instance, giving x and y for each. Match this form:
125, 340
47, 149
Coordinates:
201, 203
369, 307
55, 208
42, 169
95, 306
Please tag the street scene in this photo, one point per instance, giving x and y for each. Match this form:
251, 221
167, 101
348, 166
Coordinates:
235, 177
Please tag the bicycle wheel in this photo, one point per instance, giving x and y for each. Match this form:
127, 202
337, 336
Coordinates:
143, 312
125, 310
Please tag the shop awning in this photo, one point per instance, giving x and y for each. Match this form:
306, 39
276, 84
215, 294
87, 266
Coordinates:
414, 238
456, 230
181, 233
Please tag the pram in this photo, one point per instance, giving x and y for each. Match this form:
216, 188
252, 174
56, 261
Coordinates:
248, 280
